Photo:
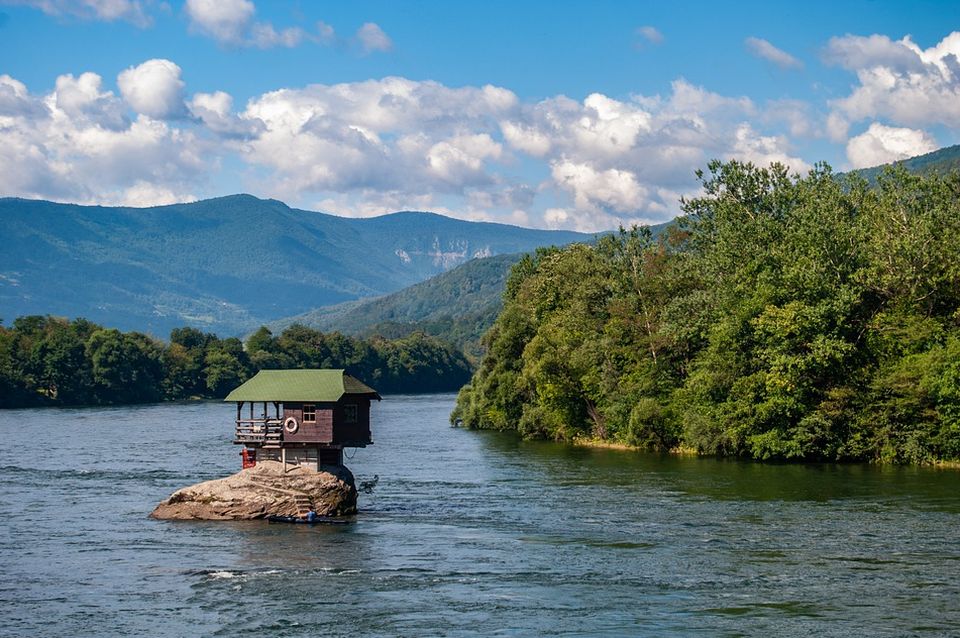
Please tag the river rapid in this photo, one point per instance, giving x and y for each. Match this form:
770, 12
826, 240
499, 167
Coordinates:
466, 534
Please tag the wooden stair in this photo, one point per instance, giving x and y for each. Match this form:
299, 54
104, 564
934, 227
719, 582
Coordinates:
302, 500
304, 503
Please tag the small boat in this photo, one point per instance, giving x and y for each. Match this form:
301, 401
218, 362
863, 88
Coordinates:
315, 520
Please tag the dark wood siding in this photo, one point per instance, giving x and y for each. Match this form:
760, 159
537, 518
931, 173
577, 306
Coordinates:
320, 431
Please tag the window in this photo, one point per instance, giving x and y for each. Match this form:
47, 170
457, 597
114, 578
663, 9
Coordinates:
350, 413
309, 413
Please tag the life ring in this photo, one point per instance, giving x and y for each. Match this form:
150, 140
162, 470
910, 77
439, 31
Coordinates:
291, 425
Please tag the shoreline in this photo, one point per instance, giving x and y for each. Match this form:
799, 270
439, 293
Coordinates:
586, 442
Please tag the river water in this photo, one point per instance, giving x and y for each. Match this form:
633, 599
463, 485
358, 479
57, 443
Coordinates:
467, 533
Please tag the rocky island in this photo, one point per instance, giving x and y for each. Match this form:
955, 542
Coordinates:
265, 490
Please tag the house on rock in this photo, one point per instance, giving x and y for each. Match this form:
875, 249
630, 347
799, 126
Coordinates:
302, 417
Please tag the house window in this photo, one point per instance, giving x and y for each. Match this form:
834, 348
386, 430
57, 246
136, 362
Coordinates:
309, 413
350, 413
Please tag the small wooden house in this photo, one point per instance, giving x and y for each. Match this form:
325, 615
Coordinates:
304, 417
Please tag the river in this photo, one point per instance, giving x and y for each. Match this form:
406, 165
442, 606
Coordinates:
466, 534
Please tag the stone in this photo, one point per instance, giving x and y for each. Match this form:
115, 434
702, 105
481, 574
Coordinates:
261, 491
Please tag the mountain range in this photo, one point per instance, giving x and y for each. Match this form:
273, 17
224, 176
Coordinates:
233, 263
227, 264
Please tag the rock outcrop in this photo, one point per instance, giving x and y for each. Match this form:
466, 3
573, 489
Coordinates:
262, 491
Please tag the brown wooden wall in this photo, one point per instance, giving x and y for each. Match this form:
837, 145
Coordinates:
319, 432
330, 426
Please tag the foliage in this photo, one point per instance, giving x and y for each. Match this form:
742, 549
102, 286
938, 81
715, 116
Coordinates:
51, 361
786, 317
457, 306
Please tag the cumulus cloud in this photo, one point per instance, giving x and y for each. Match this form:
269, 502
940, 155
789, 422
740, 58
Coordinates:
77, 144
372, 38
612, 188
763, 49
883, 144
380, 145
132, 11
231, 23
215, 111
382, 134
154, 88
763, 150
898, 80
628, 161
226, 21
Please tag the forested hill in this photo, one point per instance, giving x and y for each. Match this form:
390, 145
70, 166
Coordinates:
942, 161
226, 264
457, 306
811, 318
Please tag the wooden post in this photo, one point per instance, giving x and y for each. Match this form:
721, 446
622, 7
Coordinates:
283, 457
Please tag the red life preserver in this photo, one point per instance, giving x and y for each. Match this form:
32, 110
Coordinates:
291, 425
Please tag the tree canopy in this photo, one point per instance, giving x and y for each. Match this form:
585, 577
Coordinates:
47, 360
784, 317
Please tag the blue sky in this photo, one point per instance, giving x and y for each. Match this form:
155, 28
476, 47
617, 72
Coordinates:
550, 114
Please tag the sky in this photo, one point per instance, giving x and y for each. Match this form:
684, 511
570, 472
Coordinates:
574, 115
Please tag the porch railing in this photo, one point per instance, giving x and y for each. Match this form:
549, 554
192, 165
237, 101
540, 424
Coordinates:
265, 432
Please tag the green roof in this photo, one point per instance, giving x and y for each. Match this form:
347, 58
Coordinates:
300, 385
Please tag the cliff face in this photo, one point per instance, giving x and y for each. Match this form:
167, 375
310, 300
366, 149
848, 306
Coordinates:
262, 491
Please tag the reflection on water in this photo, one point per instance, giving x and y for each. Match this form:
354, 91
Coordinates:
467, 533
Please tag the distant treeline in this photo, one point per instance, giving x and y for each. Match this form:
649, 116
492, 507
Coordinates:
812, 317
52, 361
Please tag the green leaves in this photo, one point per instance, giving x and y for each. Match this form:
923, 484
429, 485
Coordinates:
786, 317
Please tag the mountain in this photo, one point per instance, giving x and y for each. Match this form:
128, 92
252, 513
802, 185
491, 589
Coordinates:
941, 161
227, 264
457, 306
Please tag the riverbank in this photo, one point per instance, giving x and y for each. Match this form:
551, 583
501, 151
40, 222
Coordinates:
682, 451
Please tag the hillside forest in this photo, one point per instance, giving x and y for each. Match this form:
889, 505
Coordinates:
787, 317
46, 360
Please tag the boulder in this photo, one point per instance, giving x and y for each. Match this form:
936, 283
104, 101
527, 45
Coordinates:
264, 490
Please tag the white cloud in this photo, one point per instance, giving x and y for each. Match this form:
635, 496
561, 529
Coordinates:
231, 23
132, 11
763, 49
763, 150
226, 21
556, 217
77, 144
883, 144
154, 88
82, 98
857, 52
623, 161
612, 188
372, 38
796, 115
651, 34
460, 160
215, 111
380, 134
898, 80
379, 145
